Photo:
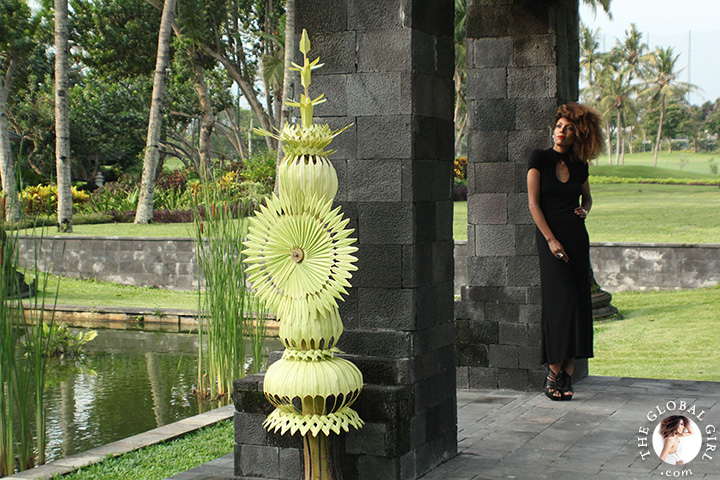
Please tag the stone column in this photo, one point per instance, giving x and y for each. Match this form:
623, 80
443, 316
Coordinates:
522, 63
388, 71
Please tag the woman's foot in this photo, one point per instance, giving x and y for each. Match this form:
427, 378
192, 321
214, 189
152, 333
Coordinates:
552, 390
564, 383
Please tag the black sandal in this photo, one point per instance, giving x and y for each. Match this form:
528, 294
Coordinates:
552, 390
565, 385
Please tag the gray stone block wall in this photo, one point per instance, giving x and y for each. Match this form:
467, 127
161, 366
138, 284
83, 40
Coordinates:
168, 263
522, 63
388, 71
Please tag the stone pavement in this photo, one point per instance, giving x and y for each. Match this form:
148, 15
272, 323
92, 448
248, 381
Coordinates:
523, 435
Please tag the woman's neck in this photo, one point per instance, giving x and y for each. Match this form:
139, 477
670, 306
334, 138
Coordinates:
561, 148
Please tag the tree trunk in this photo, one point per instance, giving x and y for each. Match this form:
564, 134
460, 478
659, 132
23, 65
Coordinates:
207, 121
288, 85
618, 137
7, 162
144, 212
608, 142
660, 124
62, 120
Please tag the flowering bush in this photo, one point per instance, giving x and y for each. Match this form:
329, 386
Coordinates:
460, 168
42, 199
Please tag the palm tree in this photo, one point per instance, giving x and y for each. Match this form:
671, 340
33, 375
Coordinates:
663, 84
605, 4
589, 54
62, 118
461, 113
614, 95
144, 212
633, 51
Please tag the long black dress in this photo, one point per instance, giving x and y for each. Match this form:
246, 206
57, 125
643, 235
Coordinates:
567, 329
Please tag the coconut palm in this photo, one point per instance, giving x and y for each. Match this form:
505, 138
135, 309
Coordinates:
633, 52
589, 54
152, 150
62, 118
605, 4
461, 115
663, 84
615, 95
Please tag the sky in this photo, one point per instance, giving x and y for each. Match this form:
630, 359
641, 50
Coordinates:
691, 27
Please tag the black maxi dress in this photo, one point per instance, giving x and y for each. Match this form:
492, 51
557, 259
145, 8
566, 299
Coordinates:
567, 329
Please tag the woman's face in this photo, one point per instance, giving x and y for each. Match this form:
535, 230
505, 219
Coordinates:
681, 427
564, 133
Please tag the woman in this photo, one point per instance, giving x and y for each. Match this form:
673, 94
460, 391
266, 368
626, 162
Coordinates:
672, 428
557, 178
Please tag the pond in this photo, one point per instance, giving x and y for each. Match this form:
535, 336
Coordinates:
129, 382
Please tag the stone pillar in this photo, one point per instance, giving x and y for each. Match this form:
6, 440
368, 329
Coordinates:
522, 63
388, 71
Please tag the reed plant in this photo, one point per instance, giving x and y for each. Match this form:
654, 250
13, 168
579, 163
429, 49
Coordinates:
227, 311
22, 380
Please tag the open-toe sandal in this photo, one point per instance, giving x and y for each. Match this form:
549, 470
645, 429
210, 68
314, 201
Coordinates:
565, 385
552, 390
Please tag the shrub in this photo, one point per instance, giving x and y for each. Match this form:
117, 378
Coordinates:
260, 169
42, 200
461, 168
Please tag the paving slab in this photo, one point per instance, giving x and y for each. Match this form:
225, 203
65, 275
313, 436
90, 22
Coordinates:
523, 435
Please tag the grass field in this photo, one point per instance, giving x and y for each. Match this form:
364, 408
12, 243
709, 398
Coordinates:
697, 162
647, 213
670, 334
102, 294
162, 460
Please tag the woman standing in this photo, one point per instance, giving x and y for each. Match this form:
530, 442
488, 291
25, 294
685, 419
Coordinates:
559, 200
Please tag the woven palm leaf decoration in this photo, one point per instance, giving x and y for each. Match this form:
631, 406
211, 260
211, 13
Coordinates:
299, 257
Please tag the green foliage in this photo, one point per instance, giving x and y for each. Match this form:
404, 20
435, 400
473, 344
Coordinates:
226, 304
117, 38
42, 200
61, 342
260, 168
460, 168
108, 121
23, 382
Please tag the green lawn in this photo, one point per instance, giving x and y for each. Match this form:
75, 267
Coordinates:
163, 460
645, 213
697, 162
166, 230
670, 334
655, 213
96, 294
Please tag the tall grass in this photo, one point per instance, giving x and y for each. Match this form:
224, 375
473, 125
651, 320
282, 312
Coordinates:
22, 380
226, 307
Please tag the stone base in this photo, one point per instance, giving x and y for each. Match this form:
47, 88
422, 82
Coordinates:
395, 443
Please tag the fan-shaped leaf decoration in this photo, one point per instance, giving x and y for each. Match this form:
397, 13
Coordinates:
313, 382
299, 140
299, 256
288, 420
319, 332
310, 174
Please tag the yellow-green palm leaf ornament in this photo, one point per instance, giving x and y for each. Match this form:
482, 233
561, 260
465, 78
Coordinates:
299, 257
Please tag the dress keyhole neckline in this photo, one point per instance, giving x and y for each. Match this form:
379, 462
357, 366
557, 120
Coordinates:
562, 172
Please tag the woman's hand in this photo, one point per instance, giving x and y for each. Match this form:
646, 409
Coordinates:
581, 212
557, 249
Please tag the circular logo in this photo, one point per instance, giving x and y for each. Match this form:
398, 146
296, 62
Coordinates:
677, 440
677, 433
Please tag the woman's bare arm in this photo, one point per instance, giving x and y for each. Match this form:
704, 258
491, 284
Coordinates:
533, 184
